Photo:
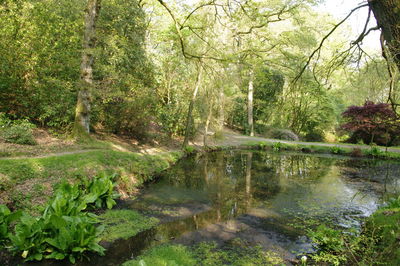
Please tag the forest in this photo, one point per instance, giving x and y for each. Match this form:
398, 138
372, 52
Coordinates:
177, 68
108, 82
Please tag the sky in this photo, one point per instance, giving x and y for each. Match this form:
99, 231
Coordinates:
340, 8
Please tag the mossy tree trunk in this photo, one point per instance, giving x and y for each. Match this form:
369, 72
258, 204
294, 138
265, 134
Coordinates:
188, 127
82, 111
387, 15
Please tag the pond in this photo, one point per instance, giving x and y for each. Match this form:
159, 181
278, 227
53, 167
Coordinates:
264, 198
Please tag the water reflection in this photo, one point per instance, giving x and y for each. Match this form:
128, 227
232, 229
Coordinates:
281, 193
263, 198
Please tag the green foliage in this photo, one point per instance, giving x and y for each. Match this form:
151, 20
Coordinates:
124, 224
337, 150
330, 243
277, 146
6, 218
374, 151
56, 236
18, 131
63, 230
189, 149
99, 190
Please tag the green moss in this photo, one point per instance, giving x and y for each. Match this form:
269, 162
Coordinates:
124, 224
236, 253
165, 255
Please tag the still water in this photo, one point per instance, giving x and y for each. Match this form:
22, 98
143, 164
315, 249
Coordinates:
264, 198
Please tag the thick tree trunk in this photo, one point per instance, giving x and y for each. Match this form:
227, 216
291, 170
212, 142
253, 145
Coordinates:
250, 93
82, 112
191, 106
387, 15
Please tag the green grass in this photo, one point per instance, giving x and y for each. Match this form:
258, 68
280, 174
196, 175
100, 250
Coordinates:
21, 176
124, 224
71, 165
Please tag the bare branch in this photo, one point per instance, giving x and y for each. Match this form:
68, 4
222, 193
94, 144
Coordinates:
322, 42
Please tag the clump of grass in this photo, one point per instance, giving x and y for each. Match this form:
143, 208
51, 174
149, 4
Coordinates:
124, 224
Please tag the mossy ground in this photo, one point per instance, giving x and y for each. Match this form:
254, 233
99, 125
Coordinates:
123, 224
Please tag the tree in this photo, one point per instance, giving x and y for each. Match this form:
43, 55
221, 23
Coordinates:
387, 15
372, 123
82, 112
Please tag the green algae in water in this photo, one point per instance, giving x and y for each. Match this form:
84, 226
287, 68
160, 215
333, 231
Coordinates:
166, 255
123, 224
236, 253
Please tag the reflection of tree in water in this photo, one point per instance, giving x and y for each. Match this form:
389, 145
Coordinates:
270, 171
233, 179
383, 172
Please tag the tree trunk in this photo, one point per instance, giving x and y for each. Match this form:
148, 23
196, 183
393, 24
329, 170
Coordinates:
82, 111
221, 119
191, 106
250, 93
387, 15
209, 115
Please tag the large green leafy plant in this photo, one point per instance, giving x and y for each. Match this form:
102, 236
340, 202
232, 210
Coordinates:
63, 230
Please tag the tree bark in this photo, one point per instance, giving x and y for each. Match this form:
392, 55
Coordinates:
250, 93
221, 119
191, 106
209, 116
82, 111
387, 15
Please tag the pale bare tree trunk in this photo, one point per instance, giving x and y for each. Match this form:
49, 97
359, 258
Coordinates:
209, 115
82, 111
191, 106
221, 110
250, 93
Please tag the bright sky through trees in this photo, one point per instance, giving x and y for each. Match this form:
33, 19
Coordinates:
340, 8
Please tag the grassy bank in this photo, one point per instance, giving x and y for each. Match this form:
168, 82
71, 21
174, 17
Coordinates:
366, 151
26, 183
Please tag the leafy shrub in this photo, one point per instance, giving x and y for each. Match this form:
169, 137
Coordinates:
330, 243
100, 191
63, 230
374, 151
336, 150
6, 218
54, 236
284, 134
372, 123
18, 132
